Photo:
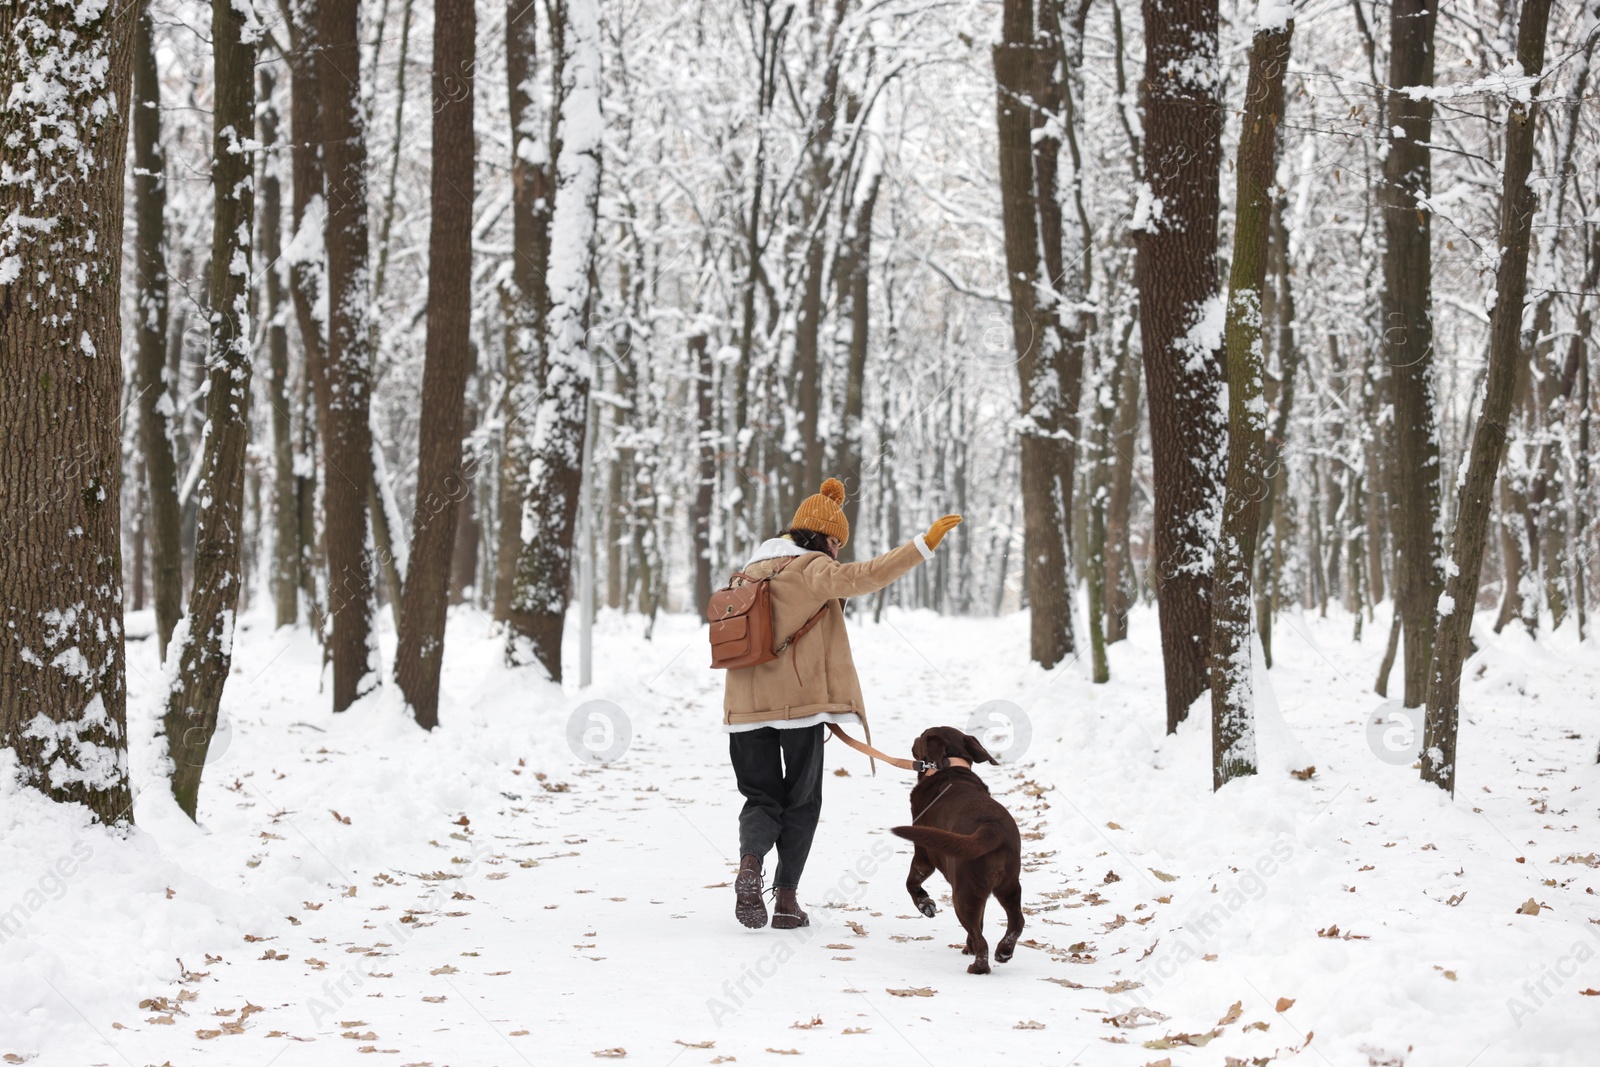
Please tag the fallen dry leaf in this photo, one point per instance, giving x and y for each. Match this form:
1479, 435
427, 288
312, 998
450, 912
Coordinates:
1233, 1014
1179, 1040
1136, 1017
915, 991
1030, 1024
1285, 1003
610, 1053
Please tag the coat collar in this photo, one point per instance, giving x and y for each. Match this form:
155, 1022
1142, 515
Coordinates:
776, 548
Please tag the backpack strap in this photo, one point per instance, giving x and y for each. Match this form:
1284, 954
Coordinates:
751, 578
809, 624
798, 634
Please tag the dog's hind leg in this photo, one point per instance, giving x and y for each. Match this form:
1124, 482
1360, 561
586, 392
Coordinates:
969, 909
1010, 898
921, 868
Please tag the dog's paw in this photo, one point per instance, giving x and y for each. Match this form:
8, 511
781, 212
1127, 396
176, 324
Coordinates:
1002, 954
978, 966
927, 907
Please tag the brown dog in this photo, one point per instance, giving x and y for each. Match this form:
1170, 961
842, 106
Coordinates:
967, 836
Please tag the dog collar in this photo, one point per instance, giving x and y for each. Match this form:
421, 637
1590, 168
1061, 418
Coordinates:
923, 766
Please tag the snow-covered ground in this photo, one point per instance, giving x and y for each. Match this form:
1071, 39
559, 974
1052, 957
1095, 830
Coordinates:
360, 892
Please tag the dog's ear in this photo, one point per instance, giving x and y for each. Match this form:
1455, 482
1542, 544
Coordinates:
975, 750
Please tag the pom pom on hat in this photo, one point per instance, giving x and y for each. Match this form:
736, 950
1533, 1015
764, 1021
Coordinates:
833, 489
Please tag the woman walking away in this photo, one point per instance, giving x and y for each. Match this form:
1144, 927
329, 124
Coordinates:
775, 713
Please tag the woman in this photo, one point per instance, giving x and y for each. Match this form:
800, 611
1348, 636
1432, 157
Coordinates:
775, 713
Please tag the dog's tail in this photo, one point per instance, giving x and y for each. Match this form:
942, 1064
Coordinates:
961, 846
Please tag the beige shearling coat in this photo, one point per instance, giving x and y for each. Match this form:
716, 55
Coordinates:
816, 674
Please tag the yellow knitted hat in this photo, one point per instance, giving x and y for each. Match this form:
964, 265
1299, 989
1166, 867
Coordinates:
822, 512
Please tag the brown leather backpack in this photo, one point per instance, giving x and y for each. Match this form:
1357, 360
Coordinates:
741, 622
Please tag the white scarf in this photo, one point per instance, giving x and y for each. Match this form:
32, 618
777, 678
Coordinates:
776, 547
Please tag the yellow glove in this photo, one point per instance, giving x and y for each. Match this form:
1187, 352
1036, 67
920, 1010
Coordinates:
941, 527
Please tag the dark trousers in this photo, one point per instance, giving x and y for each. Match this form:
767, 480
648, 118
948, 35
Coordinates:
780, 774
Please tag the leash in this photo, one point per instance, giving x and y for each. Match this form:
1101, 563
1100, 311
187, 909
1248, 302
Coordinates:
872, 753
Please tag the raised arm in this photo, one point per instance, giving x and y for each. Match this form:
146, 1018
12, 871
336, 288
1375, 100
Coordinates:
827, 579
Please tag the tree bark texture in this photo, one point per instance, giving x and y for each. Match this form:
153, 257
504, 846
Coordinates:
706, 471
1233, 736
1476, 501
441, 479
542, 582
1408, 337
1022, 64
306, 267
63, 689
1175, 269
203, 642
155, 396
285, 492
527, 298
346, 378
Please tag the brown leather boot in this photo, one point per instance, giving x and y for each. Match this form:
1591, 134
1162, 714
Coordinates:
786, 913
748, 906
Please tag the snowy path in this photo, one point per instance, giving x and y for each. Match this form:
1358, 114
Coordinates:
492, 901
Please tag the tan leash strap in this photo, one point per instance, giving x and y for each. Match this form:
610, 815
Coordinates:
867, 750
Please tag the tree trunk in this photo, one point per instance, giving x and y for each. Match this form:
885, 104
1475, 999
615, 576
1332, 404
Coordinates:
706, 472
1120, 582
386, 217
388, 553
155, 398
1408, 336
1103, 390
855, 277
527, 297
306, 268
203, 641
542, 582
1176, 272
1276, 475
285, 497
1233, 731
465, 586
440, 479
1517, 206
1022, 64
63, 674
346, 378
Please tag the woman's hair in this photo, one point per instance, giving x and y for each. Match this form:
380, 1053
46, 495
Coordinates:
810, 540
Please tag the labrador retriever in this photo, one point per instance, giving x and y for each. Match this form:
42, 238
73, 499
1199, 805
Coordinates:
967, 836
